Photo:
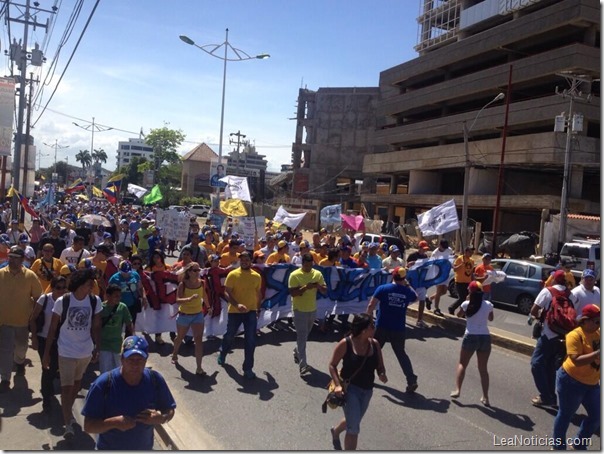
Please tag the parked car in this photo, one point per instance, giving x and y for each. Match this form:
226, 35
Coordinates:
389, 239
176, 207
200, 210
584, 254
524, 280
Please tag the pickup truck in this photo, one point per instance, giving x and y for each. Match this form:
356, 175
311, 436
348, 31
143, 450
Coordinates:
584, 254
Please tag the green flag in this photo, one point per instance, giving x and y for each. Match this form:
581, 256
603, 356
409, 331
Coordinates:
153, 196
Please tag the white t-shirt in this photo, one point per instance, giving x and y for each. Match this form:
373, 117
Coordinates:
69, 256
438, 254
479, 322
69, 238
75, 340
585, 297
47, 312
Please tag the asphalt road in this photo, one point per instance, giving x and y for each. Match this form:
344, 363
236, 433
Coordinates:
281, 411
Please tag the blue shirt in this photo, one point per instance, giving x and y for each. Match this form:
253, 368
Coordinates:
116, 398
128, 285
392, 309
374, 262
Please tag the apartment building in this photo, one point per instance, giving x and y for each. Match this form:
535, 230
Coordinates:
131, 149
469, 52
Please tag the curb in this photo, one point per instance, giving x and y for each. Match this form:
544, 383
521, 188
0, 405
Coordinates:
514, 342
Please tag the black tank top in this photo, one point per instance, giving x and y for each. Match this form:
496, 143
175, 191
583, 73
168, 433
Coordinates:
351, 363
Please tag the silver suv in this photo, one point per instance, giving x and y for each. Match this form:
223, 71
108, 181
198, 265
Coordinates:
199, 210
584, 254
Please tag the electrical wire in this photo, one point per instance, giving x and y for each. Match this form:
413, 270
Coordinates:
68, 62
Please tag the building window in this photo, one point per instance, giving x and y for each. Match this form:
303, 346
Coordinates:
126, 159
125, 147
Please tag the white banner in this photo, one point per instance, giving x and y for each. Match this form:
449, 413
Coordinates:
439, 220
331, 215
289, 219
138, 191
174, 224
236, 188
250, 227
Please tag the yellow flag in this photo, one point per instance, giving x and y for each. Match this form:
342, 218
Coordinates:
96, 192
233, 207
11, 192
118, 177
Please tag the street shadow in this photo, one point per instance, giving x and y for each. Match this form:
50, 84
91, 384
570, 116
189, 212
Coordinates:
414, 400
576, 420
431, 332
18, 397
316, 378
81, 441
262, 387
202, 384
518, 421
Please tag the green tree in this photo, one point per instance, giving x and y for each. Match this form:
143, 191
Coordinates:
132, 172
165, 143
99, 156
85, 158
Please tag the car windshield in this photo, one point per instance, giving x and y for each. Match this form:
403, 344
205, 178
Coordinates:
516, 269
579, 252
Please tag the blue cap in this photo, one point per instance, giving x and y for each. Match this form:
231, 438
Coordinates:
202, 237
394, 248
588, 272
125, 266
135, 345
107, 235
373, 244
23, 238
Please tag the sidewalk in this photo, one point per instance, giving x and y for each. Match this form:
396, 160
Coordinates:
23, 425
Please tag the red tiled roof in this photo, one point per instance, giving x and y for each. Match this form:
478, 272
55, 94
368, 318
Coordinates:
584, 217
201, 152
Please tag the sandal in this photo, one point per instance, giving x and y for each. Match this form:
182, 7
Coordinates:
485, 401
438, 312
335, 440
174, 359
454, 394
201, 373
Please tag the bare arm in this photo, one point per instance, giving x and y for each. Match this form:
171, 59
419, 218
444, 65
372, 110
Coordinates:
372, 303
586, 358
54, 323
336, 357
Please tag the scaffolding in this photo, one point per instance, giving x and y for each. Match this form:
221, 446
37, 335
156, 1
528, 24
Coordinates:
438, 23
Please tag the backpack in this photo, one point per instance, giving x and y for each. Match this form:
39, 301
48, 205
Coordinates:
66, 301
40, 319
561, 316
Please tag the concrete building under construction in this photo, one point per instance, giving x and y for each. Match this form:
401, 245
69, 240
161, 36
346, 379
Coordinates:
547, 52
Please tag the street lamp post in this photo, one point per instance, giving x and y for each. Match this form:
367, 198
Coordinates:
466, 180
239, 55
56, 146
92, 127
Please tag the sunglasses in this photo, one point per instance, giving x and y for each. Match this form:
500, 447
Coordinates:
60, 287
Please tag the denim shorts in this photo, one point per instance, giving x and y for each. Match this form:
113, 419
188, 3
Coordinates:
357, 402
476, 343
189, 319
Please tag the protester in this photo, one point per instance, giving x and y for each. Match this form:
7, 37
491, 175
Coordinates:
392, 301
412, 259
76, 253
133, 294
47, 266
586, 292
463, 268
20, 288
115, 318
477, 338
303, 285
481, 273
361, 357
45, 305
76, 322
443, 251
191, 299
124, 404
578, 381
243, 292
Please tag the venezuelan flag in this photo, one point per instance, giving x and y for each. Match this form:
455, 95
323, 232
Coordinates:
117, 181
77, 185
110, 194
24, 202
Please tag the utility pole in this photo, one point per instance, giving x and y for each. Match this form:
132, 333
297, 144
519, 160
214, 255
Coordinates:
231, 142
19, 54
27, 135
573, 123
56, 146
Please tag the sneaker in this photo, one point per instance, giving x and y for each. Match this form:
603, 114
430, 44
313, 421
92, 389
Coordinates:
4, 386
428, 304
304, 370
249, 375
69, 432
451, 310
421, 324
538, 402
220, 360
20, 369
411, 387
296, 357
438, 312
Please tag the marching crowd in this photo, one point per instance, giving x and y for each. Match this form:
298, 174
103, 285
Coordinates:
75, 287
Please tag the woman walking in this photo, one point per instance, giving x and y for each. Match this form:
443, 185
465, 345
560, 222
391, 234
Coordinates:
190, 297
361, 356
477, 338
578, 381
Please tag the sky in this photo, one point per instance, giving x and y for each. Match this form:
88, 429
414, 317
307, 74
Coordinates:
131, 70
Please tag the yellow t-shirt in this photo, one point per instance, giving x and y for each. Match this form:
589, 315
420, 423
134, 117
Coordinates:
307, 302
221, 246
210, 248
277, 257
244, 286
194, 306
227, 259
18, 290
327, 262
578, 342
571, 283
317, 257
42, 270
463, 275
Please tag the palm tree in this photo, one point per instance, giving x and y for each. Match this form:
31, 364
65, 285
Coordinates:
84, 157
99, 156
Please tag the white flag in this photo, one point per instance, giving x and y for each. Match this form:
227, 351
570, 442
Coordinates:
236, 188
331, 214
136, 190
438, 220
289, 219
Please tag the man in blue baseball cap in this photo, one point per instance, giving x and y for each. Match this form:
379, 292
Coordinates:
124, 404
586, 292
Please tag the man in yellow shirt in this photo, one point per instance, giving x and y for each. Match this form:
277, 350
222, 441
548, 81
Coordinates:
20, 288
463, 268
47, 267
242, 289
303, 285
280, 255
565, 265
231, 258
